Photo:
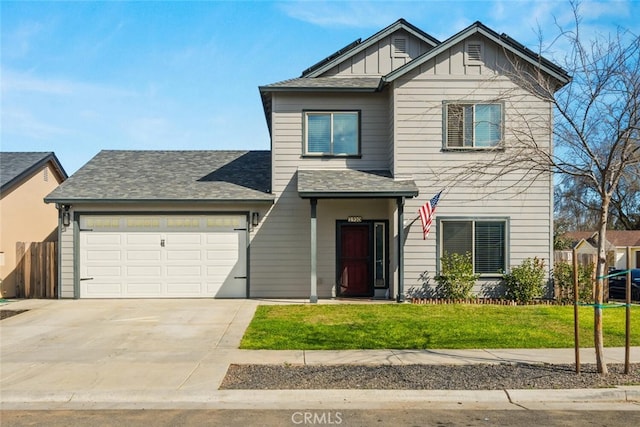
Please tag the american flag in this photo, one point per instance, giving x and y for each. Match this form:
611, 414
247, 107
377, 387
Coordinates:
426, 214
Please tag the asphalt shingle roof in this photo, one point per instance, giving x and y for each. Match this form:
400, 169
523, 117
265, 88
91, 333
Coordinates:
16, 165
123, 176
618, 238
352, 183
326, 83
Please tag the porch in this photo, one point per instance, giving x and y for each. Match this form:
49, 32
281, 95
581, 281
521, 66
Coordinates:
367, 208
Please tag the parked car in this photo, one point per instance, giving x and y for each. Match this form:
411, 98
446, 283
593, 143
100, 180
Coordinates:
618, 285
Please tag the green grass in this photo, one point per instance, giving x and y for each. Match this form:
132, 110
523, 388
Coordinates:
389, 326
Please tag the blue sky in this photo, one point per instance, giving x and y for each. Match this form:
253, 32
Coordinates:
78, 77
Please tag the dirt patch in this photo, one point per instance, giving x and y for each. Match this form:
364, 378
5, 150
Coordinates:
9, 313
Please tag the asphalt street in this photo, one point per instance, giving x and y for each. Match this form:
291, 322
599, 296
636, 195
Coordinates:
351, 418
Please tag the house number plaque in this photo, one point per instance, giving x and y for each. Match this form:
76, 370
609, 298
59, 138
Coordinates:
354, 218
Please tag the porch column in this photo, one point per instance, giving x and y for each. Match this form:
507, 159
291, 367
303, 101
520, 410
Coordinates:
313, 298
400, 250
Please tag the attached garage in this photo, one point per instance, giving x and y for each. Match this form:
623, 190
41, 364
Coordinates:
154, 256
162, 224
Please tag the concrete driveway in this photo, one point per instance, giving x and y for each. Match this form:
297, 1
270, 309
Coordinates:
163, 354
66, 346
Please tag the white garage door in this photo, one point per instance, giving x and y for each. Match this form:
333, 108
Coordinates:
189, 256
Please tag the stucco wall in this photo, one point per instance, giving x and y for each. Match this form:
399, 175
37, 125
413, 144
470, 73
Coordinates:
25, 217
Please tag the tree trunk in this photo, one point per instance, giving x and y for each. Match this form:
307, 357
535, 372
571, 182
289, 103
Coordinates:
599, 290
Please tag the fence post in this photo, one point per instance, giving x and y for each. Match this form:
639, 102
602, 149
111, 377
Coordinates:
19, 269
627, 322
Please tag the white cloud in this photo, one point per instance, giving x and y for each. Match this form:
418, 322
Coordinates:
16, 121
25, 82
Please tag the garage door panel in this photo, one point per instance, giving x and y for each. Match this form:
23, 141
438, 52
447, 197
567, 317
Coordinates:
104, 255
144, 270
104, 290
184, 255
223, 239
146, 255
103, 271
145, 239
127, 258
103, 239
143, 289
189, 239
184, 270
185, 288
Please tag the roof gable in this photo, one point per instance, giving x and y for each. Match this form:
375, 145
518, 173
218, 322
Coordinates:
358, 46
502, 40
16, 167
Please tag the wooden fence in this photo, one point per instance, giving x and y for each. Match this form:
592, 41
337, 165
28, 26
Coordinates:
36, 270
583, 258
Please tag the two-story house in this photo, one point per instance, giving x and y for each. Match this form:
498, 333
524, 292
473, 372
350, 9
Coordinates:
359, 142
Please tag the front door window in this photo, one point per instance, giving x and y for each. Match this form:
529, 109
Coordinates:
380, 255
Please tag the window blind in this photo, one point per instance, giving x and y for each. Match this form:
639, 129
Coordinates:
319, 133
489, 247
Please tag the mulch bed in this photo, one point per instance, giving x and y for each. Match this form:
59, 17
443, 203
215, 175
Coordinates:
425, 377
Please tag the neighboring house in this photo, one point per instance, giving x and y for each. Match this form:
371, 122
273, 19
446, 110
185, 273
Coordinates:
25, 179
358, 143
617, 242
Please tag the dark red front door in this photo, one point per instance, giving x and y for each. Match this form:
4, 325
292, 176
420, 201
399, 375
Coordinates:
355, 261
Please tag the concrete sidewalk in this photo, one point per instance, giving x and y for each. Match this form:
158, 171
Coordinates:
167, 354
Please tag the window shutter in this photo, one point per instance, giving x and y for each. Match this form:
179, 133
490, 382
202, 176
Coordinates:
489, 247
318, 133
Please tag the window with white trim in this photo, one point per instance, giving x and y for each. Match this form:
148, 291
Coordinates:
485, 240
332, 133
473, 125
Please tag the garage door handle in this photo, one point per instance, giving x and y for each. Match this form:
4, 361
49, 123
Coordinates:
240, 277
86, 278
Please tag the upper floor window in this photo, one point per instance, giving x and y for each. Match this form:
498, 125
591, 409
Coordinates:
486, 241
473, 125
332, 133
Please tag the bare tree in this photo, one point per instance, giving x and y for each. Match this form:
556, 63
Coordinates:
577, 205
596, 125
625, 201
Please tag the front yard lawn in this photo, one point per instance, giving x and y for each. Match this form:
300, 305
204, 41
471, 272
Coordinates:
455, 326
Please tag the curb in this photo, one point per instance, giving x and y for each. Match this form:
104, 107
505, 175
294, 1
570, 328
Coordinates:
312, 399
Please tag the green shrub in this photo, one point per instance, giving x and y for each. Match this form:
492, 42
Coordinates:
456, 278
563, 281
526, 281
